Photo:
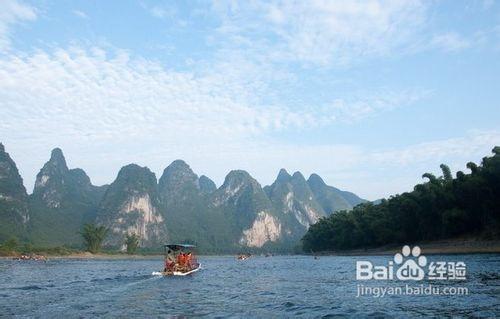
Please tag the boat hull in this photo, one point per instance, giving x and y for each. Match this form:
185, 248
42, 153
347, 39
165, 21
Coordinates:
176, 273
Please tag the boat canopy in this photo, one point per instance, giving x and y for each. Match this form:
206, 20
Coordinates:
176, 247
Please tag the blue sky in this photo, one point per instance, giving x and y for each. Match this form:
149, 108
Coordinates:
368, 94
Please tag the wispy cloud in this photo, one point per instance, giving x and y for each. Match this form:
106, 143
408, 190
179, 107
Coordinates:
369, 105
80, 14
450, 41
324, 32
370, 172
226, 106
461, 147
161, 11
77, 87
13, 12
101, 98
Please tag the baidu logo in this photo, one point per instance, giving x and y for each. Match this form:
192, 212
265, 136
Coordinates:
411, 268
410, 264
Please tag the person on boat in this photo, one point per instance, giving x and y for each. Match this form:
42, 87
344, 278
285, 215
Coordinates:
189, 258
169, 265
169, 261
181, 260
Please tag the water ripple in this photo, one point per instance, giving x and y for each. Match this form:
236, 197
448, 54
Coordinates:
288, 286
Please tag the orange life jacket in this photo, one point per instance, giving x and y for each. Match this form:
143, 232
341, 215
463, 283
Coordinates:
181, 259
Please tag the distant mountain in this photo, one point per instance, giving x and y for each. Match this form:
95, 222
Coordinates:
131, 204
248, 210
180, 207
13, 199
330, 198
295, 202
178, 180
207, 186
185, 205
62, 200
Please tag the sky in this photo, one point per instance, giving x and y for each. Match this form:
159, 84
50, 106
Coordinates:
367, 94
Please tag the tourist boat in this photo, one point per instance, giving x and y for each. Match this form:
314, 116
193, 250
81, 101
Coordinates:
179, 260
243, 256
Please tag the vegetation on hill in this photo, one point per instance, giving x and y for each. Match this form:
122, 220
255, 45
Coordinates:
13, 198
132, 242
63, 199
442, 207
94, 237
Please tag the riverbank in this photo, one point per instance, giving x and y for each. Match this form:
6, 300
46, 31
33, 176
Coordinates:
85, 255
458, 246
463, 246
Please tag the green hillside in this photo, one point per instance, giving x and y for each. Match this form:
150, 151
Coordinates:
442, 207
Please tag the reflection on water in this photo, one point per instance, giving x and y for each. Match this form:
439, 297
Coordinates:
287, 286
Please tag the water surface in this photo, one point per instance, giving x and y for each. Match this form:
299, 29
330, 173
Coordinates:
275, 287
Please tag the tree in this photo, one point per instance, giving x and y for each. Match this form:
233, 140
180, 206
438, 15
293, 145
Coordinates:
431, 177
496, 150
10, 245
440, 208
446, 172
132, 242
472, 166
94, 236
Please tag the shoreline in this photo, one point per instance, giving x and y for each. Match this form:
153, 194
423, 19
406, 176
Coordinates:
443, 247
87, 255
102, 256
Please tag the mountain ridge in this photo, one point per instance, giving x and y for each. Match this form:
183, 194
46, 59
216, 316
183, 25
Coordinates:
179, 206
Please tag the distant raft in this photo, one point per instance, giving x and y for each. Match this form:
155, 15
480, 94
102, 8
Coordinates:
243, 256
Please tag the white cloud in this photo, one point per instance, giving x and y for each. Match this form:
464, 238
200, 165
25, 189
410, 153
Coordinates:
450, 41
477, 142
324, 32
371, 173
110, 95
12, 12
161, 12
358, 108
94, 103
488, 4
80, 14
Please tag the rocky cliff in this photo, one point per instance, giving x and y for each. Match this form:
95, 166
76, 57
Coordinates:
330, 198
181, 207
62, 200
14, 214
249, 210
131, 205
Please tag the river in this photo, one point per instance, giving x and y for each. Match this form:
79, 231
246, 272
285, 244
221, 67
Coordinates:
274, 287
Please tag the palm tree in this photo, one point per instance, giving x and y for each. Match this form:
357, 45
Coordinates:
94, 236
431, 177
473, 167
446, 172
496, 150
132, 242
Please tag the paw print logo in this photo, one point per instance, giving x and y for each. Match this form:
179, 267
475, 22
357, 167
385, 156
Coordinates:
411, 268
